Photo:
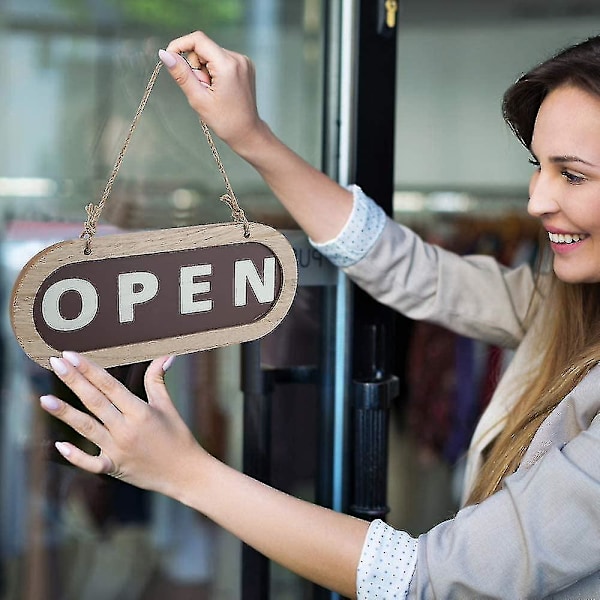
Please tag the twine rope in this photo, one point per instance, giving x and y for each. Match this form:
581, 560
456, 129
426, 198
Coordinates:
95, 210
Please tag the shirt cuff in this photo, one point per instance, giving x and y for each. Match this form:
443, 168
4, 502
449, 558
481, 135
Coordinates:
387, 563
363, 227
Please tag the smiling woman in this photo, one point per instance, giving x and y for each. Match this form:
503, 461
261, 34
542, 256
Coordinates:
533, 475
555, 112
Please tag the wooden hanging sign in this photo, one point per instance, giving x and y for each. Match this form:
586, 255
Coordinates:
134, 297
141, 295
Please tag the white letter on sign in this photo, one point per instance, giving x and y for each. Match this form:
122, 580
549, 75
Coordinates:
51, 304
245, 271
188, 287
129, 296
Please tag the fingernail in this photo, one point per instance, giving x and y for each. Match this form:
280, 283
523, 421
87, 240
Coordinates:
168, 59
49, 402
72, 357
62, 448
58, 365
168, 363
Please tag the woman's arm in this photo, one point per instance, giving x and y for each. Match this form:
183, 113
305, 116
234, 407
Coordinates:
149, 445
222, 92
538, 535
474, 297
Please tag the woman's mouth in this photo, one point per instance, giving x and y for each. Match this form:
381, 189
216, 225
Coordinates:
566, 238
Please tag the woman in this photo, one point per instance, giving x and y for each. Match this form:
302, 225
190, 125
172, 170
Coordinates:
530, 527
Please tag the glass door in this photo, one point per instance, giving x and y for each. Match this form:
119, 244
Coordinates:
72, 78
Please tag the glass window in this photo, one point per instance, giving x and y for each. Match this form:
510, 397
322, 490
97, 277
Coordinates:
72, 77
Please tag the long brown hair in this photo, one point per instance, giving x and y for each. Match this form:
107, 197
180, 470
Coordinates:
569, 343
570, 346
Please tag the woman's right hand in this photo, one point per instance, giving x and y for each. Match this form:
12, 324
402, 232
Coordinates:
220, 87
149, 445
146, 444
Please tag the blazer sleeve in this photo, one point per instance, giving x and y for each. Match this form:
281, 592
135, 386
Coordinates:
537, 536
474, 296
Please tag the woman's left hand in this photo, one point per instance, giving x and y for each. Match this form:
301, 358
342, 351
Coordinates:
145, 444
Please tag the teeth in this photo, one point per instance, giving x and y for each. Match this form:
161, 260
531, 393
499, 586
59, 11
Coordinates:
567, 238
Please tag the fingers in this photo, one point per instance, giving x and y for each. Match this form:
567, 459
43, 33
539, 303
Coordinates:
100, 464
192, 82
200, 44
101, 393
90, 395
202, 75
199, 69
86, 426
154, 382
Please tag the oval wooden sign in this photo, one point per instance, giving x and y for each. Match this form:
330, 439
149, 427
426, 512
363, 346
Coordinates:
141, 295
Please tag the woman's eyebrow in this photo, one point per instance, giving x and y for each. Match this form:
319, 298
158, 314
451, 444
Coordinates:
564, 158
570, 158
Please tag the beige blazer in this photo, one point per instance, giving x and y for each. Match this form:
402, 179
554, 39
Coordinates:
539, 537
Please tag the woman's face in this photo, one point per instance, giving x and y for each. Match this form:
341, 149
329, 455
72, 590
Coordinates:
564, 192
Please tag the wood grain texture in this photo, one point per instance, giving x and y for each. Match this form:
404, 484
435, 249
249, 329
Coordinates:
146, 243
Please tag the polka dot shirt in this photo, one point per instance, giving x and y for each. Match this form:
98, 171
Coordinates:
387, 563
364, 226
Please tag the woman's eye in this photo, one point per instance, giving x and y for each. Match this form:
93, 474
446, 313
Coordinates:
572, 178
535, 163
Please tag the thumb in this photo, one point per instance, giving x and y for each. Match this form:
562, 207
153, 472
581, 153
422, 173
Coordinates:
188, 79
154, 381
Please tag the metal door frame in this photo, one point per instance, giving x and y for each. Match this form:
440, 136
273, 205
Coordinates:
357, 386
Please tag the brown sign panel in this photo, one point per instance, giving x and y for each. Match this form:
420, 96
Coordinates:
142, 295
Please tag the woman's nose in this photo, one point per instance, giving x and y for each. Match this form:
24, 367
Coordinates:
541, 196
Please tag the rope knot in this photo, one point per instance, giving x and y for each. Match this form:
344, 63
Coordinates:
90, 226
237, 213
